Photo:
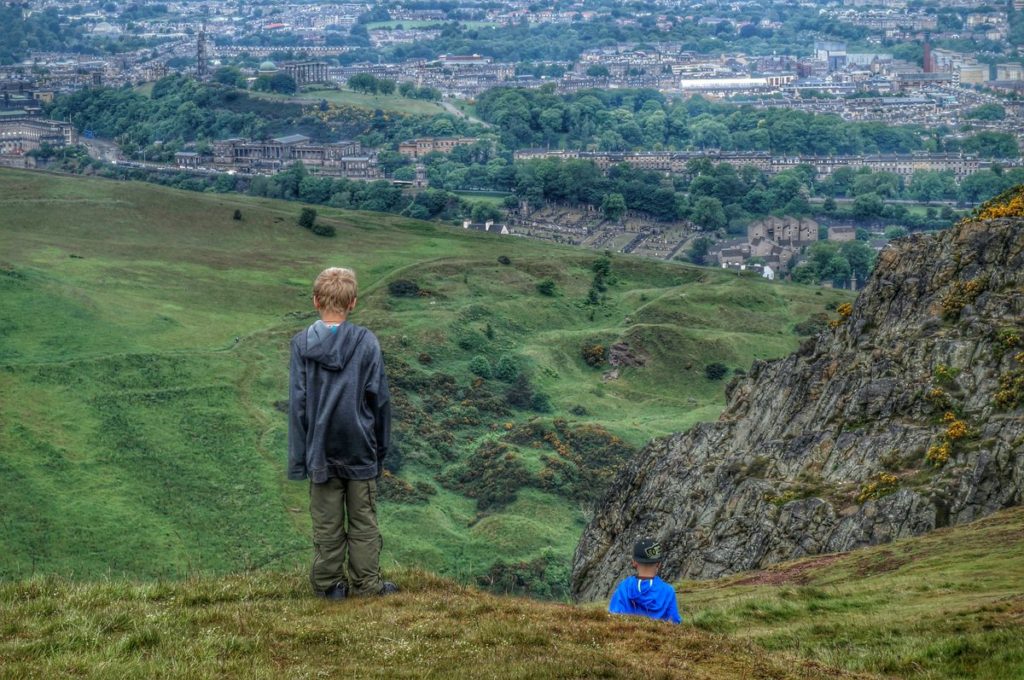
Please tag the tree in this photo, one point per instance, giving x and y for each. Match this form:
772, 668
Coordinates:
363, 82
485, 212
283, 83
307, 218
867, 206
385, 86
237, 215
981, 186
229, 75
838, 270
992, 145
807, 272
699, 250
708, 213
893, 233
927, 185
987, 112
597, 71
860, 256
613, 206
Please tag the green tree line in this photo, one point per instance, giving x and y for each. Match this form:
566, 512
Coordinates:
622, 120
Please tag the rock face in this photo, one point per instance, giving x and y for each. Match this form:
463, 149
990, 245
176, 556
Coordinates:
903, 418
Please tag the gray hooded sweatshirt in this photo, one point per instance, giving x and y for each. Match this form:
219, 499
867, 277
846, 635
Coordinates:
339, 407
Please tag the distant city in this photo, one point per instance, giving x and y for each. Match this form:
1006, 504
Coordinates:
951, 70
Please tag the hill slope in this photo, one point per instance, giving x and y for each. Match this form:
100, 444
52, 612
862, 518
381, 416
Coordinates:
143, 341
946, 605
904, 418
267, 626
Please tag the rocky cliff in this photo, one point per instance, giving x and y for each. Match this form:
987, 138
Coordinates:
904, 417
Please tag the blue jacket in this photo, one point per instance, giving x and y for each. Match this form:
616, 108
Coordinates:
650, 597
339, 422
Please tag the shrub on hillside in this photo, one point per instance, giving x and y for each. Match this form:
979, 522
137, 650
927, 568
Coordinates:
237, 215
324, 230
587, 458
470, 339
812, 325
593, 355
546, 287
520, 393
506, 369
480, 366
403, 288
307, 218
492, 476
391, 488
961, 294
541, 403
716, 371
545, 577
503, 259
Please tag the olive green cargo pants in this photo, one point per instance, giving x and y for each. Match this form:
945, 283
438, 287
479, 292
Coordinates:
329, 503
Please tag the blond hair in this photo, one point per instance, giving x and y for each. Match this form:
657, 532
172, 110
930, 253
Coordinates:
335, 290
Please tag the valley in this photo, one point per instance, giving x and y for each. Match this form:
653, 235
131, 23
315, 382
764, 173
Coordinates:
143, 342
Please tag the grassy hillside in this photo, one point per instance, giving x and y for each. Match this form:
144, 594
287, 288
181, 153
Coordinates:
947, 605
265, 625
384, 102
143, 343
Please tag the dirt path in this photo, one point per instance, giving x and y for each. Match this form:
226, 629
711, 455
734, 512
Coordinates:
454, 110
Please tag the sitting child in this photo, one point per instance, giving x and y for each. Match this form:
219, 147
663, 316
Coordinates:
645, 594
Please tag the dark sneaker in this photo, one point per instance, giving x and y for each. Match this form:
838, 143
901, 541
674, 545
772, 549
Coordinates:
336, 592
388, 588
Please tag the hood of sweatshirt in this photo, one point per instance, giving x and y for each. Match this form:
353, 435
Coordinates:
648, 594
332, 347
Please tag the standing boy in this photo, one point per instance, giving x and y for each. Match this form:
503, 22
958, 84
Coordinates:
645, 594
338, 434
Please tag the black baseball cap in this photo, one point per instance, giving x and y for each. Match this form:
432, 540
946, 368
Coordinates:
647, 551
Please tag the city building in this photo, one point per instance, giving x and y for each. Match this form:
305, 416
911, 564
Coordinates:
340, 159
305, 72
1009, 72
417, 148
20, 134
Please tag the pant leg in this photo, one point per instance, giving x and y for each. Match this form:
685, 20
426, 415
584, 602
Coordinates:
327, 508
364, 541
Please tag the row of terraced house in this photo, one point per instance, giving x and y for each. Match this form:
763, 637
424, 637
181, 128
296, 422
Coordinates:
339, 159
675, 163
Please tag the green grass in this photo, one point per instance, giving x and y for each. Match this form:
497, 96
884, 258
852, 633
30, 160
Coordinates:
140, 438
393, 102
947, 605
265, 625
492, 197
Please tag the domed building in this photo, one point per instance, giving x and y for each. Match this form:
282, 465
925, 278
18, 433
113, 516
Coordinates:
268, 68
